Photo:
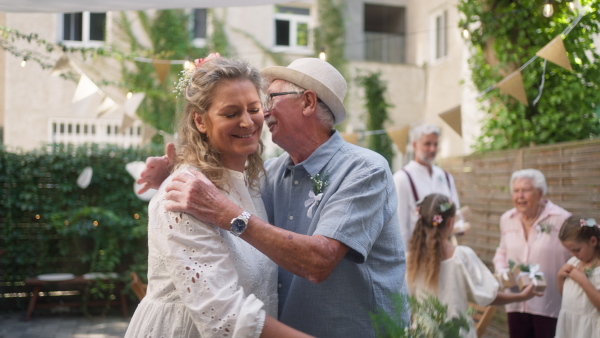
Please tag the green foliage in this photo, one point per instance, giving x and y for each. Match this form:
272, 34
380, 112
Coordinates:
330, 35
377, 109
505, 35
168, 31
218, 40
47, 221
429, 319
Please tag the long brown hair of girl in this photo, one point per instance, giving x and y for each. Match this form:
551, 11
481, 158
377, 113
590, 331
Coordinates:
425, 246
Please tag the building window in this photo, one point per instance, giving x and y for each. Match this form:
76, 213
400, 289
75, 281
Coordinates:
439, 37
385, 33
199, 24
85, 28
291, 28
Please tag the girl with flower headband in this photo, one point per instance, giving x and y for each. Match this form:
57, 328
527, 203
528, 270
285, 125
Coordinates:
579, 279
202, 281
453, 273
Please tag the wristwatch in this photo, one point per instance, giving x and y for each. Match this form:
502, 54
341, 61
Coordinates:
239, 224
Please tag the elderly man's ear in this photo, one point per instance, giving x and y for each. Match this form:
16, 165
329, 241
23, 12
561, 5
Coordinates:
310, 103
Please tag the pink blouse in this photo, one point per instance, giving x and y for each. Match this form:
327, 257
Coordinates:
540, 247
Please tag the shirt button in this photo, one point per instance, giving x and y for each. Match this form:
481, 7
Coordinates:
296, 182
279, 285
291, 218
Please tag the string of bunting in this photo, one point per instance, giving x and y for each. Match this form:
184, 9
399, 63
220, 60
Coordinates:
511, 85
89, 95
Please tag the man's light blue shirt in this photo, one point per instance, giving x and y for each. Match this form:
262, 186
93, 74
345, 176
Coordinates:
359, 209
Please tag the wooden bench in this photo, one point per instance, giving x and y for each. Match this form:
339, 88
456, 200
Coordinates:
77, 283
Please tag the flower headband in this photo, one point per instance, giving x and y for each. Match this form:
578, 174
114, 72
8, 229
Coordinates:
590, 222
186, 74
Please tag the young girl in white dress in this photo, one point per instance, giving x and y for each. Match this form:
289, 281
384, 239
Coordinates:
204, 281
579, 279
452, 273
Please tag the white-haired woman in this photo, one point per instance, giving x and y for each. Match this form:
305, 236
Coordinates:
529, 235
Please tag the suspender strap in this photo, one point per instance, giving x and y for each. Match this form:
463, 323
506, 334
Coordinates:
412, 185
448, 180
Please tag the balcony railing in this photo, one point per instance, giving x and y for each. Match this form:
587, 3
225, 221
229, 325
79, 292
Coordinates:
79, 131
385, 47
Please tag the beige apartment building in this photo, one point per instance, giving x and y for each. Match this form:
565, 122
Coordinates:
415, 44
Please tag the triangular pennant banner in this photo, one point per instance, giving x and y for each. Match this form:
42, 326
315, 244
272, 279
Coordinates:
87, 106
106, 106
556, 53
132, 104
400, 138
147, 133
350, 137
126, 123
62, 65
453, 118
85, 88
513, 86
162, 68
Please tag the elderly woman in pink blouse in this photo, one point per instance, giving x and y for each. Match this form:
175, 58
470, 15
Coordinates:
529, 235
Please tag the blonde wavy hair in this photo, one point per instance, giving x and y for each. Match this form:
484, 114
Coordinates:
193, 146
425, 246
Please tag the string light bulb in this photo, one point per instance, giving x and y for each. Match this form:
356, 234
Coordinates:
23, 63
571, 5
465, 33
323, 55
548, 9
129, 95
188, 65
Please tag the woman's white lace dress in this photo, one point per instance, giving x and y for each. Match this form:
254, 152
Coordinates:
203, 281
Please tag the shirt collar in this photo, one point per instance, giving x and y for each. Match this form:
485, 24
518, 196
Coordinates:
550, 209
320, 157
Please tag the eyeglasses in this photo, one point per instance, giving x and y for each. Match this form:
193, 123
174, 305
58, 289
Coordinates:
268, 104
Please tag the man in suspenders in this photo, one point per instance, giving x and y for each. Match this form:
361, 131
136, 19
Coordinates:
420, 177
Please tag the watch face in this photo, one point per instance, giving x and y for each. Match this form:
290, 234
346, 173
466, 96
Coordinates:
238, 225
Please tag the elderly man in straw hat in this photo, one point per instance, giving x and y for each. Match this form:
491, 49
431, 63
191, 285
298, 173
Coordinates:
332, 208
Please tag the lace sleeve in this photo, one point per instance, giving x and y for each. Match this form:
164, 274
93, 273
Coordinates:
204, 275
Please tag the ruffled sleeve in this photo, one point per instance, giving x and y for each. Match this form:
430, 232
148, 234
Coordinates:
482, 286
205, 278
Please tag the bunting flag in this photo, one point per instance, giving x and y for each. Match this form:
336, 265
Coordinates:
62, 65
147, 133
350, 137
132, 103
85, 88
556, 53
453, 119
168, 138
162, 68
107, 105
400, 138
126, 123
513, 85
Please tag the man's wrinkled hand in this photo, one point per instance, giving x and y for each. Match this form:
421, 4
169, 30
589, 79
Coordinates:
157, 169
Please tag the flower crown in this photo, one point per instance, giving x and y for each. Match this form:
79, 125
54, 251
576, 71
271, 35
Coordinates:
186, 75
590, 222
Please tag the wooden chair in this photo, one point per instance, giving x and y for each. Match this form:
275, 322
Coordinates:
138, 287
482, 317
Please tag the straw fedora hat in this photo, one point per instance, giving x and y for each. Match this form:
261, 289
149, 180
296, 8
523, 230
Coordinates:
316, 75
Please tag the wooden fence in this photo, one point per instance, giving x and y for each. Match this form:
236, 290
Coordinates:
572, 173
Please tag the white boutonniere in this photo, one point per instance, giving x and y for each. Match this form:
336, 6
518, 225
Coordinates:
319, 183
544, 228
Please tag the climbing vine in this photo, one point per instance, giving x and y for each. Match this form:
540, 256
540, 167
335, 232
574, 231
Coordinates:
331, 32
504, 35
377, 113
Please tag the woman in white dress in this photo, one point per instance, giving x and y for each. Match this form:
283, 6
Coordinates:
452, 273
204, 281
579, 279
